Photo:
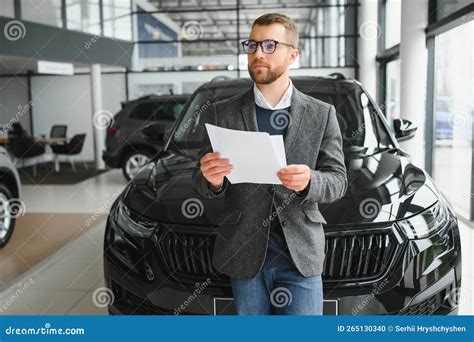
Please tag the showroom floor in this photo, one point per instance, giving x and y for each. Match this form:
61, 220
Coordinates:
64, 282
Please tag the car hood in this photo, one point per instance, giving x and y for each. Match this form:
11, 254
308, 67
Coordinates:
382, 187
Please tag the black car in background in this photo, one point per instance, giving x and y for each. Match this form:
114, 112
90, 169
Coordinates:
392, 242
126, 147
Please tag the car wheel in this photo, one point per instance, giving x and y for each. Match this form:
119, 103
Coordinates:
7, 219
134, 161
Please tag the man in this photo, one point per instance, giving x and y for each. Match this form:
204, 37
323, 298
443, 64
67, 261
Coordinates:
270, 239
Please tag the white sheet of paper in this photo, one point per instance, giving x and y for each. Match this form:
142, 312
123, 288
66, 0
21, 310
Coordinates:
279, 147
256, 156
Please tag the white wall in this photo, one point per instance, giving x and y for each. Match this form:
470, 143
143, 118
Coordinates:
14, 101
369, 31
67, 100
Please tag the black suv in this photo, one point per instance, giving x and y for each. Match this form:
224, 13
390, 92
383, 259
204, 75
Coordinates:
125, 145
392, 242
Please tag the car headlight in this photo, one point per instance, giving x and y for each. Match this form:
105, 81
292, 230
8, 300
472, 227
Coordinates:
428, 222
133, 223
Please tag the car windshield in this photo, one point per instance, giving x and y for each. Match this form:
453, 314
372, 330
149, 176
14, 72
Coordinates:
361, 126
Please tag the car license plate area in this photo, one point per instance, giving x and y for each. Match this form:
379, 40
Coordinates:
225, 306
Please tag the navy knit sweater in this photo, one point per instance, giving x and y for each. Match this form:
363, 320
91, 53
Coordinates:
273, 126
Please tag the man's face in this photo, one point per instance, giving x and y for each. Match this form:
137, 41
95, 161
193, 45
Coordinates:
266, 68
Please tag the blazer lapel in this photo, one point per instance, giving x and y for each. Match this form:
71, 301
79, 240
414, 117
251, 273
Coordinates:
297, 111
248, 111
296, 115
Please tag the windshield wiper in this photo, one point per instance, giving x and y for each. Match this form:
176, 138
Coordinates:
362, 151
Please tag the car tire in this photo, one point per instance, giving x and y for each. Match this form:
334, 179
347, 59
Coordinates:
133, 161
7, 221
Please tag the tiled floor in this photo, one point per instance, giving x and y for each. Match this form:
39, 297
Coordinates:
37, 236
84, 197
64, 283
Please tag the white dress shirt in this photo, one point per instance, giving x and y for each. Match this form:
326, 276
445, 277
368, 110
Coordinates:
284, 102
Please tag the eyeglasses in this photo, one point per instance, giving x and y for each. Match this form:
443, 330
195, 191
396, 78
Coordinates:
268, 45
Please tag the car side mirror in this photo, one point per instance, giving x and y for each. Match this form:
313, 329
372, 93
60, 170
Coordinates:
154, 133
404, 129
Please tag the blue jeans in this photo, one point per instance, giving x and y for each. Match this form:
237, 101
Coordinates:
279, 288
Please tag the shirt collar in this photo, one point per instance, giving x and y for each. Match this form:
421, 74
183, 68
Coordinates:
284, 102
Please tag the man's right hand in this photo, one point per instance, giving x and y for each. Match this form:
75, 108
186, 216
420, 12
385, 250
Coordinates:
214, 168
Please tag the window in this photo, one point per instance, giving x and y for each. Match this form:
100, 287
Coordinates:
453, 115
117, 19
83, 15
198, 36
43, 12
392, 90
166, 111
387, 56
444, 8
7, 8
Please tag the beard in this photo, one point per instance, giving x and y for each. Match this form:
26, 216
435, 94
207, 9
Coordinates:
265, 76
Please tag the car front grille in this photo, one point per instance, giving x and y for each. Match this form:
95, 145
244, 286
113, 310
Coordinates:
190, 255
426, 307
348, 257
356, 257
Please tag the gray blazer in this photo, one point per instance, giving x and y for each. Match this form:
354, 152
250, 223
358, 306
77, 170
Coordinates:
313, 138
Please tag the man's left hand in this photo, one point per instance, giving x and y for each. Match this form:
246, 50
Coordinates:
295, 177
